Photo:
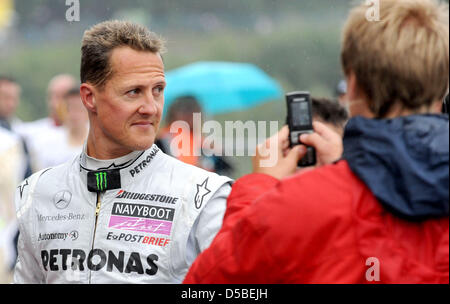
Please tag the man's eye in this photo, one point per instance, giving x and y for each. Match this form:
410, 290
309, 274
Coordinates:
158, 89
133, 92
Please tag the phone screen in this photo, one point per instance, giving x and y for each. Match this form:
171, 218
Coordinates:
300, 117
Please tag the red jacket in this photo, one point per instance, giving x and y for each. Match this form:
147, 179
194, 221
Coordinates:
320, 226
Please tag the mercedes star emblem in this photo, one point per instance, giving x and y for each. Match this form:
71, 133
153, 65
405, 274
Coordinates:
62, 199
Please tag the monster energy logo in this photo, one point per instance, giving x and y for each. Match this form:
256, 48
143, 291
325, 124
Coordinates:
102, 182
98, 181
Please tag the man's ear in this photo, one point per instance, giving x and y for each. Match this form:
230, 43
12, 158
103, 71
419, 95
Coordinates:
352, 86
358, 103
87, 94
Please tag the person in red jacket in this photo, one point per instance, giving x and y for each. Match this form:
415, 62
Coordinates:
379, 214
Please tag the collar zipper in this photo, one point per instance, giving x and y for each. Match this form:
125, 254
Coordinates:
97, 211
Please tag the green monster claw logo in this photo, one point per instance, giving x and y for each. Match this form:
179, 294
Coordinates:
101, 180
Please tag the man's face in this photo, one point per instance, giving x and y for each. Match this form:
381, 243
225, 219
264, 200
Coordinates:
129, 107
56, 91
9, 98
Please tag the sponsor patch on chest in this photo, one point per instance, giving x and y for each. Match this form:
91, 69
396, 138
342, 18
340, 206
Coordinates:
143, 218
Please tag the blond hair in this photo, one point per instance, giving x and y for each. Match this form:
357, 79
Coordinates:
100, 40
402, 58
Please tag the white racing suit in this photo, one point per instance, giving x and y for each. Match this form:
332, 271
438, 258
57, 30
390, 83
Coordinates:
155, 216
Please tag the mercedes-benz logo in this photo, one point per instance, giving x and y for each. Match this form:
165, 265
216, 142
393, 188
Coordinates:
62, 199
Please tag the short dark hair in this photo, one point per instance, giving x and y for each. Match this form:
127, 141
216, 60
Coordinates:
74, 91
182, 104
329, 111
101, 39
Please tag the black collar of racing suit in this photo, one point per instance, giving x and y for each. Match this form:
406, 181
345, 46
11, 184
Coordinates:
102, 175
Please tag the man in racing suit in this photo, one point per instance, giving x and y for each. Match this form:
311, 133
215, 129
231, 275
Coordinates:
123, 211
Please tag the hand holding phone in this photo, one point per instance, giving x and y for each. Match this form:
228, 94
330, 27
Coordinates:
299, 120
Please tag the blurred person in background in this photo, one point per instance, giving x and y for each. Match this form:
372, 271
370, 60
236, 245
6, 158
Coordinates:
182, 110
379, 215
132, 213
12, 172
330, 113
57, 89
75, 131
10, 93
40, 132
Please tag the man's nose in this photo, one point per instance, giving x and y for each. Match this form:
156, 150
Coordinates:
148, 105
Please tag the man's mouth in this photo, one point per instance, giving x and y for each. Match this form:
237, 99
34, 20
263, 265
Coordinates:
142, 123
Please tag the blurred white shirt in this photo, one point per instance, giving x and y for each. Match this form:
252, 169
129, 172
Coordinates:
56, 150
12, 162
41, 136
